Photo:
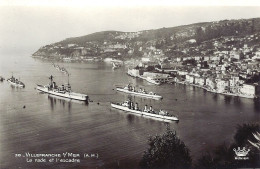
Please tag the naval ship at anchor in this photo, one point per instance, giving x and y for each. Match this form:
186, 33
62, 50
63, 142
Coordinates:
141, 92
15, 82
129, 107
62, 91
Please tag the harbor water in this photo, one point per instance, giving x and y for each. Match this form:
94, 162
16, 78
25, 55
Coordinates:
38, 123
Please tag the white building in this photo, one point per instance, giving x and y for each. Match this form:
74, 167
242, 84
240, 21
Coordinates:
200, 81
178, 59
146, 59
222, 85
210, 82
248, 89
134, 72
189, 79
155, 75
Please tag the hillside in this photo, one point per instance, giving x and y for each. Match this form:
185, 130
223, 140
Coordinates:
164, 41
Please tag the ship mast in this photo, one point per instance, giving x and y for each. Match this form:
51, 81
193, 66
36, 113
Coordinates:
68, 79
51, 78
69, 87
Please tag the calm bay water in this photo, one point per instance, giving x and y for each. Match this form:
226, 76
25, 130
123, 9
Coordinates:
53, 125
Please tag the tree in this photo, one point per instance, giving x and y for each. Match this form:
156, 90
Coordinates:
206, 162
190, 62
150, 68
257, 143
244, 133
167, 152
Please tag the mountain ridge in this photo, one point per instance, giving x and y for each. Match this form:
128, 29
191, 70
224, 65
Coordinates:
132, 44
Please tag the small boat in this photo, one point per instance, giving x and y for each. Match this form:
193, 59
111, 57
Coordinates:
57, 67
115, 65
63, 70
153, 81
62, 91
141, 92
15, 82
129, 107
2, 79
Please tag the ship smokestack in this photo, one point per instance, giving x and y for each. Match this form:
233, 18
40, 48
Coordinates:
132, 105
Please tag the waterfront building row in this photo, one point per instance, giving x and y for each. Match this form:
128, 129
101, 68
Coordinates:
231, 85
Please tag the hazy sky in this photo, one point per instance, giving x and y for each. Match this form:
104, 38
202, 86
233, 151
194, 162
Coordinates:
26, 28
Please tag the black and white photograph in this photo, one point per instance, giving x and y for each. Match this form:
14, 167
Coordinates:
129, 84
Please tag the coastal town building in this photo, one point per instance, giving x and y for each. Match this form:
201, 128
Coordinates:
249, 89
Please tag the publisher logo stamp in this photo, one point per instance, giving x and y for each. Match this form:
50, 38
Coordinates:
241, 154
